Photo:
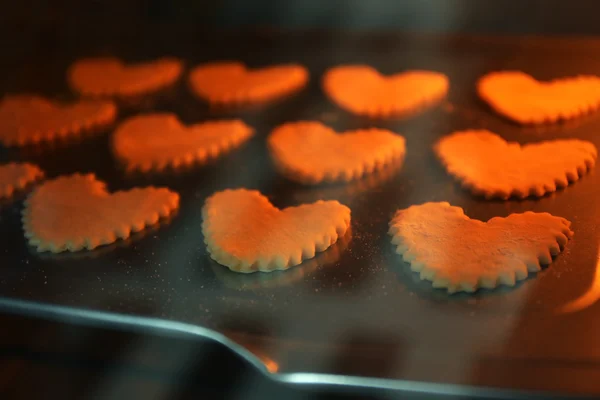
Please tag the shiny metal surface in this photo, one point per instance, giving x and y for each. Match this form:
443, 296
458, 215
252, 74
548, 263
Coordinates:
357, 310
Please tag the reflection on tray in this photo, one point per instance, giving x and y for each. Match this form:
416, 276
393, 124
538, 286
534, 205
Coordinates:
259, 280
48, 146
102, 250
170, 170
561, 127
254, 106
424, 289
306, 194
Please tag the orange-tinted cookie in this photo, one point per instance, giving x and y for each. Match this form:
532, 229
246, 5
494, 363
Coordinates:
108, 76
523, 99
76, 212
488, 165
287, 277
155, 141
230, 83
246, 233
16, 176
28, 119
311, 152
362, 90
458, 253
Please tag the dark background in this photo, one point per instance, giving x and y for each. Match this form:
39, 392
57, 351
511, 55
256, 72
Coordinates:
467, 16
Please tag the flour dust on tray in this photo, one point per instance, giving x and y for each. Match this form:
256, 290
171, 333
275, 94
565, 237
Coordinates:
246, 233
488, 165
525, 100
31, 119
362, 90
458, 253
156, 141
231, 82
109, 76
17, 176
310, 152
76, 212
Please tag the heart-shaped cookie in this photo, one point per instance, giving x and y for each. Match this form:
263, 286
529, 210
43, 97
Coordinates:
230, 82
458, 253
28, 119
311, 152
76, 212
108, 76
246, 233
362, 90
287, 277
523, 99
155, 141
489, 166
16, 176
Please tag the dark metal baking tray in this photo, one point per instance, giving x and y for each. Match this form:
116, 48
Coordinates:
356, 316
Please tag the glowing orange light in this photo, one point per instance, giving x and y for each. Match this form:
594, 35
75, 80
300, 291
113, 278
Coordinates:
588, 298
271, 365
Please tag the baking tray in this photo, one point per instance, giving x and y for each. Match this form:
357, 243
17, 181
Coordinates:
356, 315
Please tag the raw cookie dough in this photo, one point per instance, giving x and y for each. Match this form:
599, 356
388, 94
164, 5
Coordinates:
458, 253
155, 141
30, 119
362, 90
525, 100
246, 233
75, 212
311, 152
230, 82
489, 166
